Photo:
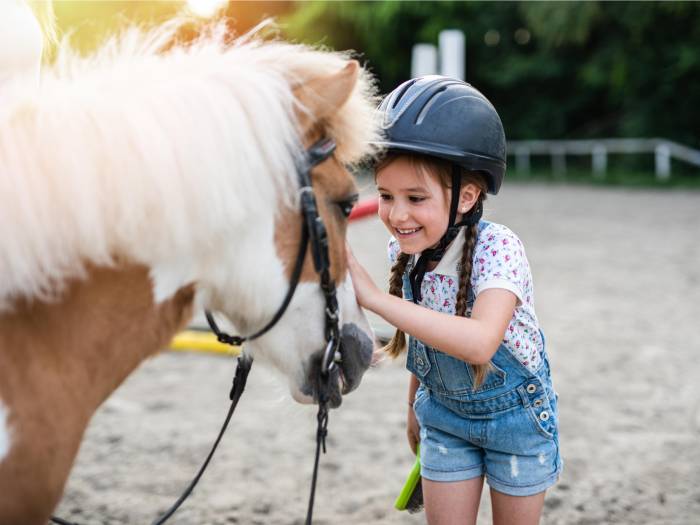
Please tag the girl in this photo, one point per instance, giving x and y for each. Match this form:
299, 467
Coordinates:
481, 400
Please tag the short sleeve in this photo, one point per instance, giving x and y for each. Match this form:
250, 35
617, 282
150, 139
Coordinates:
393, 250
500, 262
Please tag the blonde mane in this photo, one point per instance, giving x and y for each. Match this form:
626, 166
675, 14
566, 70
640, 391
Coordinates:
130, 154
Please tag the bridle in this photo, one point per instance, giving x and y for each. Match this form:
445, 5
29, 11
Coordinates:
314, 231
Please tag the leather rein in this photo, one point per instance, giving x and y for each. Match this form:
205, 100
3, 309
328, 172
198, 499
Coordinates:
313, 231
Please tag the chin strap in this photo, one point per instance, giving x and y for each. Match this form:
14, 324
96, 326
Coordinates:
435, 254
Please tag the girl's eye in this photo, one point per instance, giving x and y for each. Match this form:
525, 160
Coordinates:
347, 205
416, 198
385, 196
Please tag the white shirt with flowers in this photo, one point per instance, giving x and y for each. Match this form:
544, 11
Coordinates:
499, 262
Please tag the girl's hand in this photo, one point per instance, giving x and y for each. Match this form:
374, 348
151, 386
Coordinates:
365, 289
412, 429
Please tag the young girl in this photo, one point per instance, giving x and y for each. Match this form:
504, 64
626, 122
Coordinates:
480, 398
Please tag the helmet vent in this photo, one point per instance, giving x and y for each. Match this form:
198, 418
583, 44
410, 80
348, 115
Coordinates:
401, 93
426, 108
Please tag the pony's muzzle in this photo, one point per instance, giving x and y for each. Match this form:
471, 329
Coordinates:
356, 349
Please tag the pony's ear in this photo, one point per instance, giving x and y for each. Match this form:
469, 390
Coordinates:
321, 97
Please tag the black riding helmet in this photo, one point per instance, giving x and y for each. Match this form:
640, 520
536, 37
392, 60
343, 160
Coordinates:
447, 118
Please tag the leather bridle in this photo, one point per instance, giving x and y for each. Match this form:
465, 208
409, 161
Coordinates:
312, 231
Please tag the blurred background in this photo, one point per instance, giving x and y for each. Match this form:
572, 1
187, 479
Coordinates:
555, 70
600, 102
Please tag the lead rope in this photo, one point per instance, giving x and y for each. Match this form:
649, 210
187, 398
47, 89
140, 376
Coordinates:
321, 433
239, 381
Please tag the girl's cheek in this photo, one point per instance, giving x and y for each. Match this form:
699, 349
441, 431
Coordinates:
384, 217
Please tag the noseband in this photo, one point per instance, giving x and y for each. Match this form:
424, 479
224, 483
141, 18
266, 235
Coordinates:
313, 230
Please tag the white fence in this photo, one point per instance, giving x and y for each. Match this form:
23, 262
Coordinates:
598, 149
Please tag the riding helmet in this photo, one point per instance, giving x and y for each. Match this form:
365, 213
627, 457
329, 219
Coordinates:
447, 118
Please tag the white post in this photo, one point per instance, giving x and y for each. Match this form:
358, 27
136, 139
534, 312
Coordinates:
451, 43
600, 161
558, 154
423, 60
522, 160
663, 162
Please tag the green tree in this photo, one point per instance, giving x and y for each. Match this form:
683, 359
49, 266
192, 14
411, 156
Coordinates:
553, 69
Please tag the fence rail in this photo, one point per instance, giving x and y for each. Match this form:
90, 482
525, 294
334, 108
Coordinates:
662, 149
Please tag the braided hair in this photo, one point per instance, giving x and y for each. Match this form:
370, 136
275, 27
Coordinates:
443, 170
466, 263
398, 343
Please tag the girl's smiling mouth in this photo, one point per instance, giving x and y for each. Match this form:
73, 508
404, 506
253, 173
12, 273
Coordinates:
406, 232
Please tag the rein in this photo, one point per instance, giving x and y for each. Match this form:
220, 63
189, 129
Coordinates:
314, 231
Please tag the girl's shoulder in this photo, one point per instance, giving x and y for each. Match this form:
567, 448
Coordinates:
491, 233
497, 242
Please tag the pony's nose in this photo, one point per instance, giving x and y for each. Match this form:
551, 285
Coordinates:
356, 355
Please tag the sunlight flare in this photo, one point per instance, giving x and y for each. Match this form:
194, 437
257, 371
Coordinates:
205, 8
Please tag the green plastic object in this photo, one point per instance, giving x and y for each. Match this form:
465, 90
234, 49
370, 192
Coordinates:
407, 496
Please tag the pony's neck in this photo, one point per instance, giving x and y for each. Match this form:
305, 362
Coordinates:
108, 345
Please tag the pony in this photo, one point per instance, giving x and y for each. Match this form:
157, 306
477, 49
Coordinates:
146, 181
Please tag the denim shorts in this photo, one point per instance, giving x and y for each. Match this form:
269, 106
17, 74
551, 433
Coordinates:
516, 448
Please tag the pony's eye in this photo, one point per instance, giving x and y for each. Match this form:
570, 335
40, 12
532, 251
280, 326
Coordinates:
346, 205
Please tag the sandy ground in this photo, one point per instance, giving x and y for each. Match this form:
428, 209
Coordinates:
617, 280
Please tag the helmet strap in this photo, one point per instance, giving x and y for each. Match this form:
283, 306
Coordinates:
456, 187
435, 254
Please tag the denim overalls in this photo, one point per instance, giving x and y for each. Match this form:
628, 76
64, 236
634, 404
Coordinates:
506, 429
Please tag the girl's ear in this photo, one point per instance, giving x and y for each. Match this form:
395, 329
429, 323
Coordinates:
468, 196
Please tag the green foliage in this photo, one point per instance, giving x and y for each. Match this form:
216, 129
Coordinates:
588, 69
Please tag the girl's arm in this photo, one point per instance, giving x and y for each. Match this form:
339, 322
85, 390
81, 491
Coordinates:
473, 340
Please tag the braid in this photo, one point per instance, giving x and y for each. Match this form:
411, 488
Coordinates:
398, 343
480, 371
466, 273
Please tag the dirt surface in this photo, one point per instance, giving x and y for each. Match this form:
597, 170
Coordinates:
617, 283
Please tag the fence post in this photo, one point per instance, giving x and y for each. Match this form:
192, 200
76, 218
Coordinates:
663, 162
423, 60
522, 160
558, 154
451, 44
600, 161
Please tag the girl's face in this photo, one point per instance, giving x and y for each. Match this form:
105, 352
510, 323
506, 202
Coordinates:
413, 207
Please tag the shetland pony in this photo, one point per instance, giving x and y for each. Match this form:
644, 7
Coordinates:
138, 184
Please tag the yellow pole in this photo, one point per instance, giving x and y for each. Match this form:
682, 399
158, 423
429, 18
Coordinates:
195, 341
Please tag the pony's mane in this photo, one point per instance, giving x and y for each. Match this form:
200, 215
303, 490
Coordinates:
134, 152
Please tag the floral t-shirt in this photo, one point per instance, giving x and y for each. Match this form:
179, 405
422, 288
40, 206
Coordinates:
499, 262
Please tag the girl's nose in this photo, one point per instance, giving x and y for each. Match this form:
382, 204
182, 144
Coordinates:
398, 213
